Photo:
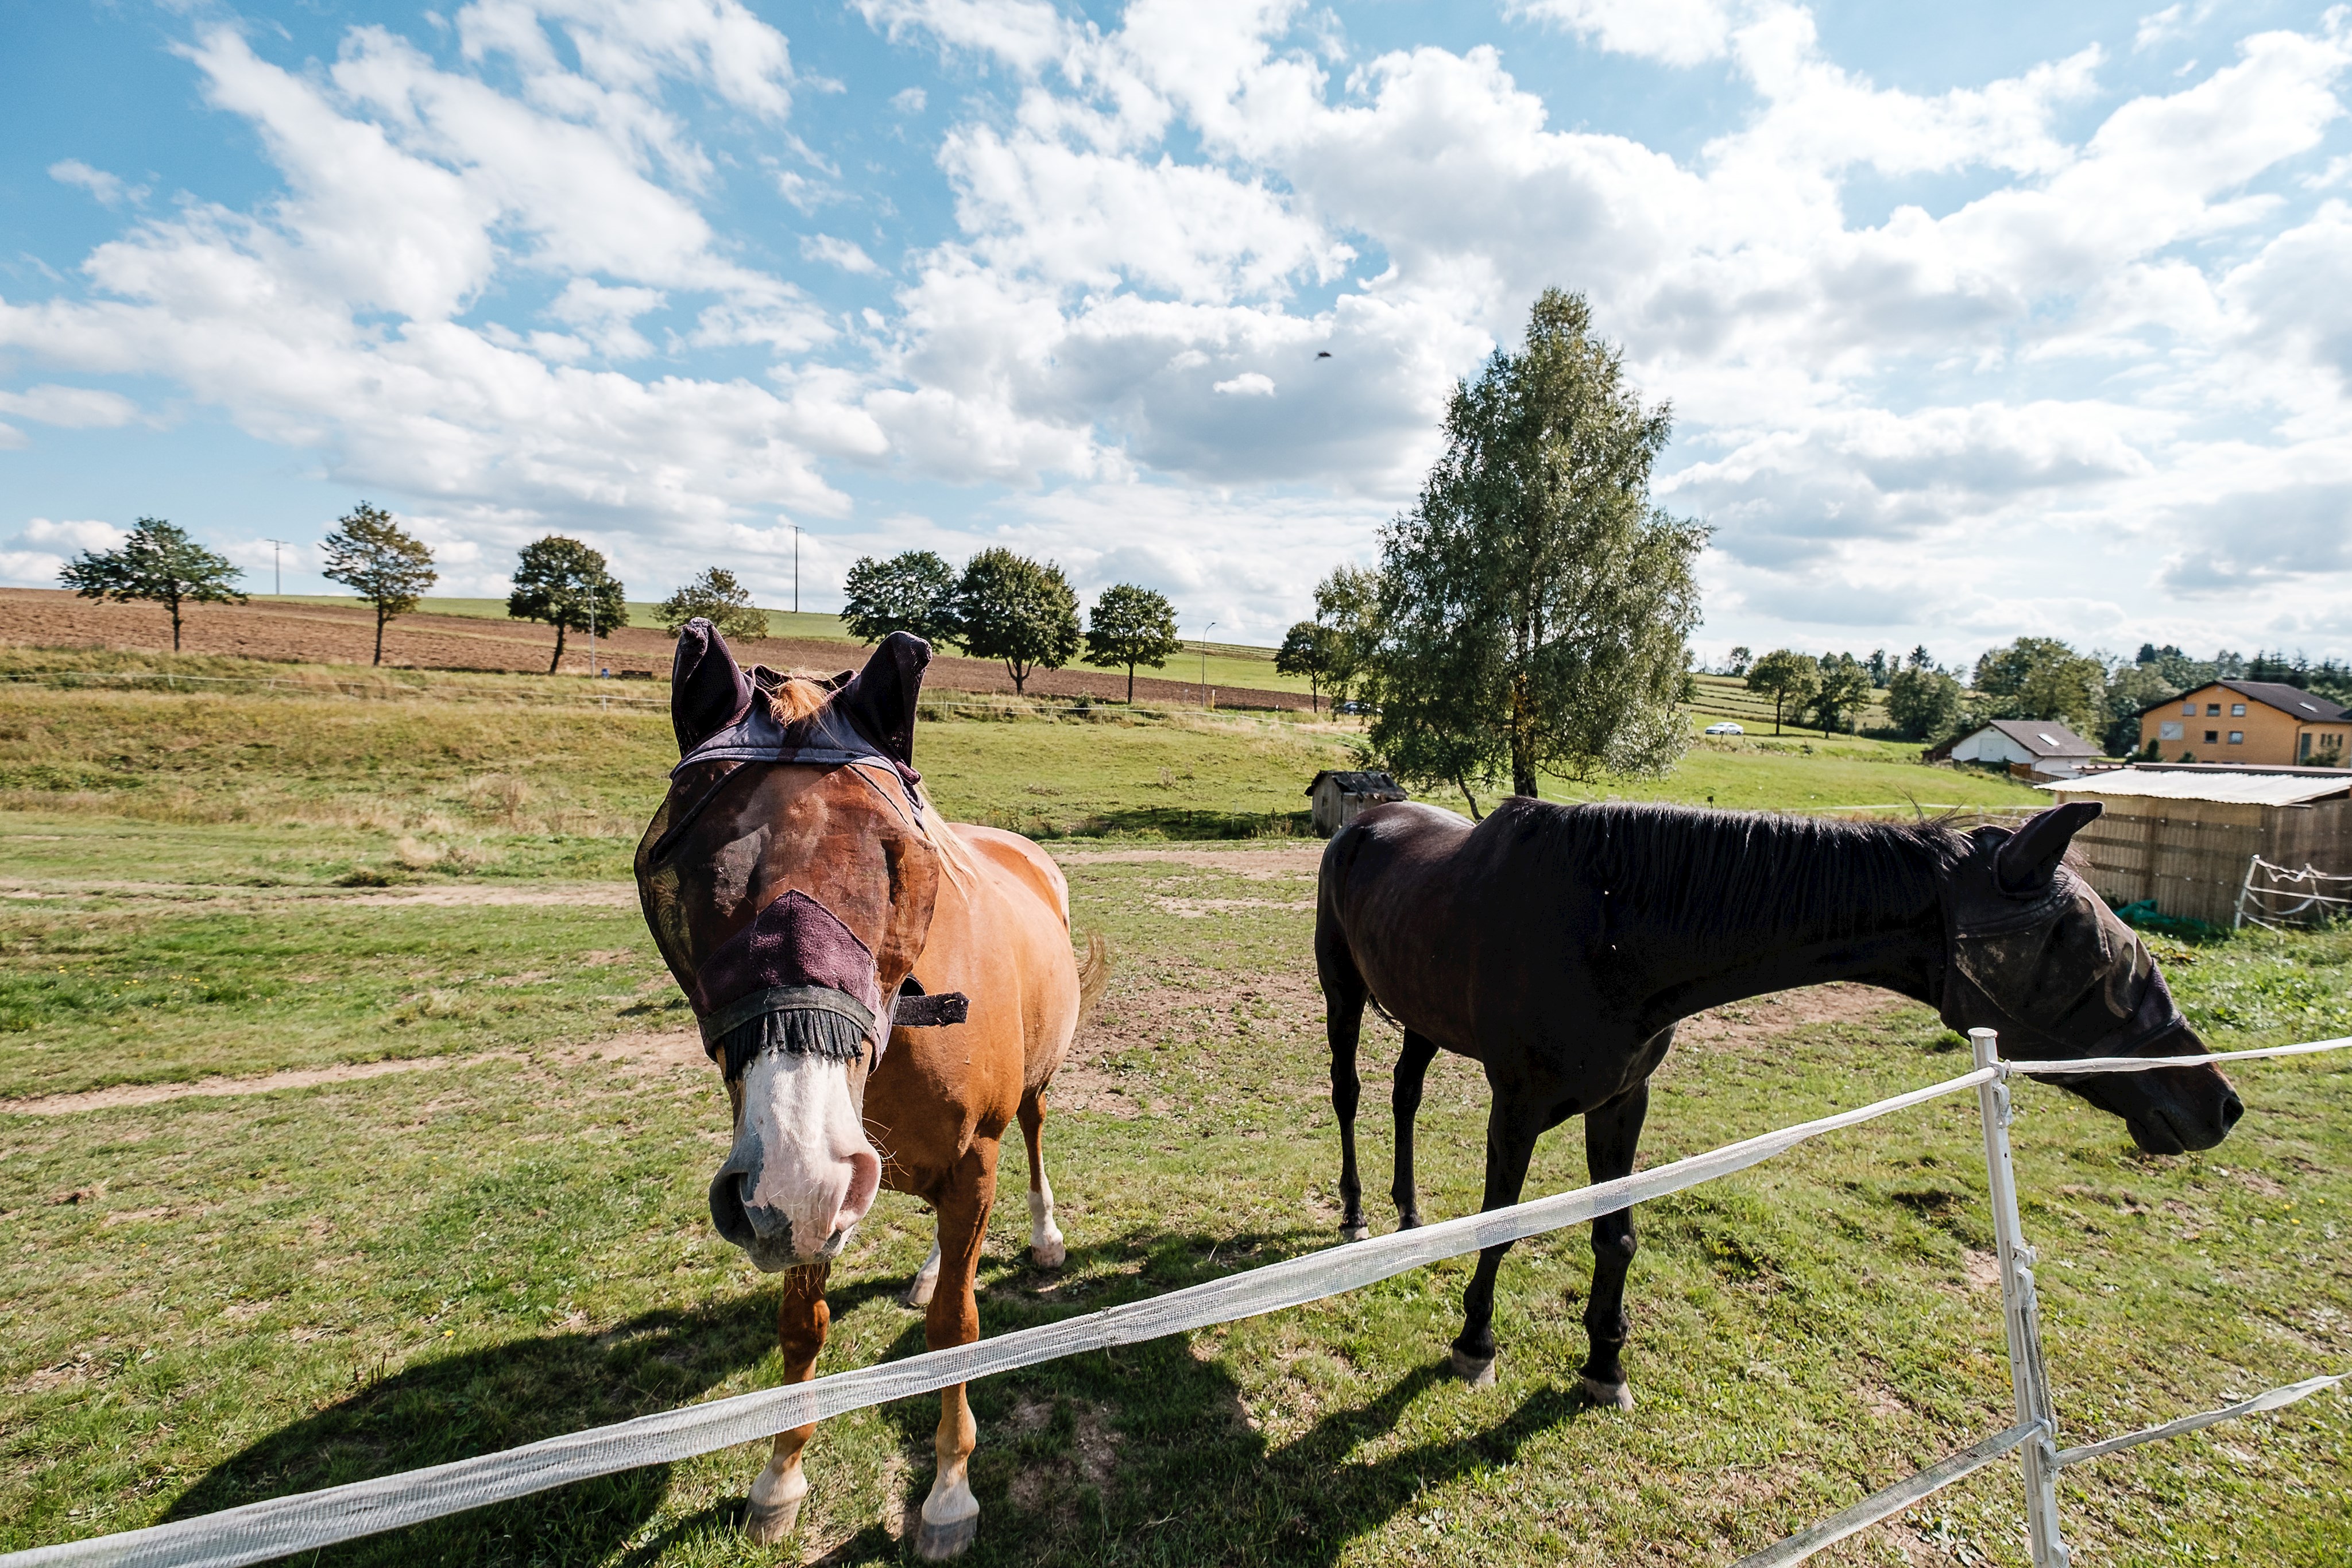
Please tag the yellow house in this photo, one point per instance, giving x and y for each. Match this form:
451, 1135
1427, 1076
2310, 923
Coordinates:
2264, 723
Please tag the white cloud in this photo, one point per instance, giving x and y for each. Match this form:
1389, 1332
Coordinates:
910, 101
847, 255
108, 189
1249, 384
1674, 32
75, 408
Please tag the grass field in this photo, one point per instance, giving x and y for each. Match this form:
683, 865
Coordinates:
471, 1212
211, 1299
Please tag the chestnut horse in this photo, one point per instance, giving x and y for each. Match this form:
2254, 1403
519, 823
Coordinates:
1559, 945
884, 993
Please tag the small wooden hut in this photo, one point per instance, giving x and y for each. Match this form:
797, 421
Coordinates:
1341, 798
2184, 833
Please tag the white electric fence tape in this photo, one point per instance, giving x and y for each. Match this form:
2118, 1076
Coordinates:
2272, 1399
1887, 1503
2090, 1065
258, 1532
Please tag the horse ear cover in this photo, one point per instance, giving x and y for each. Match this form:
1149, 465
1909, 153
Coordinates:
706, 688
881, 700
2032, 854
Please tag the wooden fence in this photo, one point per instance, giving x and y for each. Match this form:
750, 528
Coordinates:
2191, 856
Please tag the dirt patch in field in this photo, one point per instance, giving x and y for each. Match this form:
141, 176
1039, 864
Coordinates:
647, 1052
1257, 865
345, 634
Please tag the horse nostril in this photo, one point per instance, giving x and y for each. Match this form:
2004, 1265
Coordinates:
2232, 1109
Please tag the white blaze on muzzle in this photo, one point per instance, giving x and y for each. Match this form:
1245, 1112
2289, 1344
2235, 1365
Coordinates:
801, 1171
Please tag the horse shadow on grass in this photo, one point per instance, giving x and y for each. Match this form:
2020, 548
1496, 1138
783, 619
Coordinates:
479, 1402
1147, 1451
1143, 1452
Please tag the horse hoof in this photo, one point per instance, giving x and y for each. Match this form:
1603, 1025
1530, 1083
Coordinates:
1357, 1232
1051, 1256
766, 1526
937, 1542
1609, 1396
1476, 1371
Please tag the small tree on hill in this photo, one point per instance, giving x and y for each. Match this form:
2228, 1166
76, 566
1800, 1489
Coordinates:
1130, 625
1789, 678
1307, 651
563, 582
912, 591
1023, 611
382, 562
1741, 657
1923, 702
1841, 691
159, 564
1534, 604
719, 599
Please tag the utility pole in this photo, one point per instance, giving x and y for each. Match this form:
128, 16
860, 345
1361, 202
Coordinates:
796, 569
592, 632
1204, 663
277, 567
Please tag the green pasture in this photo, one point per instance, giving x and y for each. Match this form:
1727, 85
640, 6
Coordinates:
214, 1300
399, 775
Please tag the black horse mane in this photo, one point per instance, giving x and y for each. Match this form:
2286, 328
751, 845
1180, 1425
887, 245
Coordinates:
1721, 875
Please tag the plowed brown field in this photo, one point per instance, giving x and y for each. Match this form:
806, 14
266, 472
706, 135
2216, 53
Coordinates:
333, 634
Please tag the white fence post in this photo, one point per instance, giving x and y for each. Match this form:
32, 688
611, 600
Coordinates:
2020, 1317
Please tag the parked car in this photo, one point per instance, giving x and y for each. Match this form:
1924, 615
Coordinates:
1725, 728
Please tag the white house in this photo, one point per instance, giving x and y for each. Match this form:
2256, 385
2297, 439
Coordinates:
2044, 748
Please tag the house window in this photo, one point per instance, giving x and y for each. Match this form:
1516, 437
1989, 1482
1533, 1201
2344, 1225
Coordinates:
2236, 737
2170, 730
2188, 710
2237, 710
2213, 710
2212, 736
2303, 747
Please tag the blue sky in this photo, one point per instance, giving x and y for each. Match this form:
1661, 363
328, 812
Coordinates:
1977, 320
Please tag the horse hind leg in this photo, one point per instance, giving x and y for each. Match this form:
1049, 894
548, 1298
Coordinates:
1047, 1248
926, 1280
801, 1322
1611, 1135
1412, 1069
1343, 1022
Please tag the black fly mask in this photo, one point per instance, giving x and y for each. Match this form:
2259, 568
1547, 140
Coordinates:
2032, 951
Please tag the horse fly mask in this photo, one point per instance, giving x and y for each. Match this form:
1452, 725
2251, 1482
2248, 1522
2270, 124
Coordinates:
2049, 960
796, 979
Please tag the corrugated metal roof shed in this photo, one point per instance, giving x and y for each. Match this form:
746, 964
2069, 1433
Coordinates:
2243, 789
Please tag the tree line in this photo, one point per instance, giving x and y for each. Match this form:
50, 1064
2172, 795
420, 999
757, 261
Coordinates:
1007, 606
2098, 695
1002, 605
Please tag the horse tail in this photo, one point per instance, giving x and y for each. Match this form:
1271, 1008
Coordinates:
1093, 977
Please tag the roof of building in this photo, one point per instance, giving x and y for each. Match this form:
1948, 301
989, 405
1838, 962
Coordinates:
1358, 783
2293, 701
2213, 781
2045, 737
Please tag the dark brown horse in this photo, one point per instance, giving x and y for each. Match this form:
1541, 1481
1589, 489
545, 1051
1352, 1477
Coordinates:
815, 909
1559, 945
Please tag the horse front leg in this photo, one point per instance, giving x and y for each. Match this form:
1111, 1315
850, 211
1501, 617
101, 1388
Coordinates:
802, 1319
951, 1513
1611, 1135
1513, 1124
1404, 1098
